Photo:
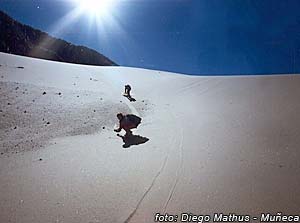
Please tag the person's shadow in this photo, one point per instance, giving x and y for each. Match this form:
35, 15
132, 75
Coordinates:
131, 99
131, 139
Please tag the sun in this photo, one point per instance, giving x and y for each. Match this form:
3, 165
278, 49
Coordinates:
97, 8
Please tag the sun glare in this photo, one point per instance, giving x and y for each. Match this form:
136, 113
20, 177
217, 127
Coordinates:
95, 7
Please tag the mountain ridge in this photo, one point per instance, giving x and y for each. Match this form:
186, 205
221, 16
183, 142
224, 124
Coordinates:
21, 39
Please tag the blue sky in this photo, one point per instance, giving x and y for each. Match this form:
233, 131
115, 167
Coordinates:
185, 36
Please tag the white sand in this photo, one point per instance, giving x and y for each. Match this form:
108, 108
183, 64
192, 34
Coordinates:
216, 144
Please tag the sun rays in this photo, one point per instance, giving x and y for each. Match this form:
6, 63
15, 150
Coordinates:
101, 16
99, 8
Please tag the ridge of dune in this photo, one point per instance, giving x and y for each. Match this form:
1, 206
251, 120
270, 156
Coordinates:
216, 144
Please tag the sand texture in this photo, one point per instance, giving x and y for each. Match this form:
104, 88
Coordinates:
214, 144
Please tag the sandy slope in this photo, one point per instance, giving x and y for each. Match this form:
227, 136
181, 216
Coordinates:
216, 144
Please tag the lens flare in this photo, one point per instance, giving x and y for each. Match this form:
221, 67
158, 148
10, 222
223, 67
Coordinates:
97, 8
102, 17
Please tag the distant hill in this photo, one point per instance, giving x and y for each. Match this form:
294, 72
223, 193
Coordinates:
20, 39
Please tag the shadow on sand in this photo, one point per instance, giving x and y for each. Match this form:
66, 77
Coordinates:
129, 98
131, 139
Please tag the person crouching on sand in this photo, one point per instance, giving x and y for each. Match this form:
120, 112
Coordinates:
127, 122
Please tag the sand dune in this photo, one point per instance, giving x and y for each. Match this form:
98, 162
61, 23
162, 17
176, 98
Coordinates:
216, 144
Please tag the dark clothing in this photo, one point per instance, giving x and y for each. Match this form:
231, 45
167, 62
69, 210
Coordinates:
127, 89
130, 121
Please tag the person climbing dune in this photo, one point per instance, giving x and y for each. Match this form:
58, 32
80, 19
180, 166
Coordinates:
127, 90
127, 122
127, 93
